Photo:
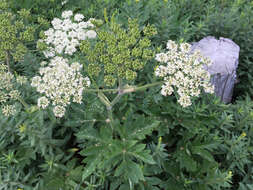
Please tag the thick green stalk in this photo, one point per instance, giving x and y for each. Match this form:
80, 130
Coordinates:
121, 91
116, 99
8, 60
23, 103
104, 99
140, 88
100, 90
109, 110
125, 90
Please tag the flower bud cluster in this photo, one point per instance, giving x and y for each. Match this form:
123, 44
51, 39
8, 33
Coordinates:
183, 72
119, 53
65, 35
13, 33
60, 83
8, 92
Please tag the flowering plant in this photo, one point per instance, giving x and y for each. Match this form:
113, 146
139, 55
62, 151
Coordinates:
9, 94
184, 71
104, 113
65, 35
59, 82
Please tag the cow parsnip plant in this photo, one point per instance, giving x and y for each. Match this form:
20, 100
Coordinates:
112, 130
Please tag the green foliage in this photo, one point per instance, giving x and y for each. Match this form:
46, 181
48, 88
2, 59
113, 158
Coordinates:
112, 147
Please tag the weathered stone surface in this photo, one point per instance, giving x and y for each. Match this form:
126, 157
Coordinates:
224, 54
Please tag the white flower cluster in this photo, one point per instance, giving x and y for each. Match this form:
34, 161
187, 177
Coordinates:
8, 93
60, 83
183, 72
66, 34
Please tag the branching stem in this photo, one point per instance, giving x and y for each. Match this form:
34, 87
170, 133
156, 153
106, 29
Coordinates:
125, 90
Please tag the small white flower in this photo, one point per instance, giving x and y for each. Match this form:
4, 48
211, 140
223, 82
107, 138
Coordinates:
21, 79
76, 66
166, 90
209, 89
49, 53
56, 22
14, 94
78, 17
36, 81
59, 111
43, 63
83, 25
81, 35
43, 102
184, 101
72, 34
60, 83
8, 110
91, 34
171, 45
64, 2
185, 47
183, 72
66, 34
70, 50
50, 31
67, 14
87, 80
161, 71
161, 57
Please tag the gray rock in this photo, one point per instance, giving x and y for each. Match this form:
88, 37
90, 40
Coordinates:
224, 54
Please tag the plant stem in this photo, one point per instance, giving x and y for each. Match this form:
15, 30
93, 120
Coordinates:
109, 110
8, 61
23, 102
116, 99
125, 90
104, 99
100, 90
144, 87
120, 93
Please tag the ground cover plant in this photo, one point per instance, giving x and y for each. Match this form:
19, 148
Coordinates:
103, 94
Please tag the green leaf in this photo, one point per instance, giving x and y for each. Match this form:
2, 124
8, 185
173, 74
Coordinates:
187, 162
88, 170
90, 134
135, 172
203, 153
130, 170
55, 183
76, 174
141, 132
124, 187
139, 153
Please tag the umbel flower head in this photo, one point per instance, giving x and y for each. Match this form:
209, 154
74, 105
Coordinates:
13, 33
183, 72
65, 35
60, 83
119, 52
8, 92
